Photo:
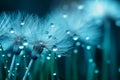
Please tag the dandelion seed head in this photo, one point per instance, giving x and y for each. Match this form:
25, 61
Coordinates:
34, 33
56, 38
87, 27
14, 34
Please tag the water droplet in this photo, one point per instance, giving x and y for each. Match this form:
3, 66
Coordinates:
17, 64
75, 37
0, 49
54, 74
67, 31
52, 25
118, 23
59, 56
118, 69
65, 15
77, 43
48, 58
87, 38
9, 54
21, 47
5, 67
24, 56
16, 68
90, 60
96, 71
54, 48
8, 71
12, 30
22, 23
80, 7
75, 51
49, 54
3, 55
88, 47
25, 43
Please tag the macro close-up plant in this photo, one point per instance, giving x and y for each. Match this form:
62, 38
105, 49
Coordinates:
59, 40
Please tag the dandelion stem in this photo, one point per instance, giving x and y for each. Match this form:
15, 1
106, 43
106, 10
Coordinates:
5, 60
12, 65
18, 63
29, 66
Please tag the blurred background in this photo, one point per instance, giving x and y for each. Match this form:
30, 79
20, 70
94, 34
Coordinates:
83, 62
